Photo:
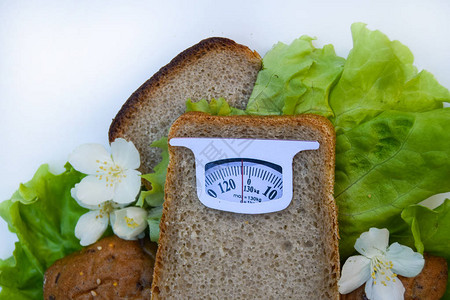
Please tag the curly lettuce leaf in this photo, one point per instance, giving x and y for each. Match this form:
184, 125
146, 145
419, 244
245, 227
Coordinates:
392, 144
43, 215
154, 198
382, 166
18, 277
153, 220
392, 132
379, 75
431, 231
430, 228
296, 78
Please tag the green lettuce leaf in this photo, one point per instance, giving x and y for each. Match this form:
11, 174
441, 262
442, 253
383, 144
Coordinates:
296, 78
154, 198
43, 215
393, 135
386, 164
379, 75
19, 278
153, 219
431, 231
430, 228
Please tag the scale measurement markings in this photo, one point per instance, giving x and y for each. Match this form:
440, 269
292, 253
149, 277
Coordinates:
243, 180
277, 182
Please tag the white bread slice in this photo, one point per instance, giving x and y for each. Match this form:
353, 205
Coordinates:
211, 254
213, 68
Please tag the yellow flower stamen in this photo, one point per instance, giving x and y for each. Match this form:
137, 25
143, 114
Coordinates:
384, 268
130, 222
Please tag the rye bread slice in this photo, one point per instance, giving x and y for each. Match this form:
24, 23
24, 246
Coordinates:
213, 68
211, 254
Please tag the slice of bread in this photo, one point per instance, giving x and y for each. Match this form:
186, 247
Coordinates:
213, 68
290, 254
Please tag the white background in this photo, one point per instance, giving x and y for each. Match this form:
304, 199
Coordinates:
66, 67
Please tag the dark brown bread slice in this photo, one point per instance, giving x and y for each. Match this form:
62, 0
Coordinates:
112, 268
290, 254
215, 67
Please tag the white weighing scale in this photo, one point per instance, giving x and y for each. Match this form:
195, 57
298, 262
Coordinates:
251, 176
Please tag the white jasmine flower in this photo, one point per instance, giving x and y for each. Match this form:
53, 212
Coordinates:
129, 223
91, 226
111, 176
379, 265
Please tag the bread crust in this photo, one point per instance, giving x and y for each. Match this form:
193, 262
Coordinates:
112, 268
182, 60
315, 122
144, 96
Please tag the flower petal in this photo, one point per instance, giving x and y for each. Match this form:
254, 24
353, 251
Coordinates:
406, 262
88, 157
129, 222
373, 242
391, 290
90, 227
73, 193
92, 190
127, 190
125, 154
355, 272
